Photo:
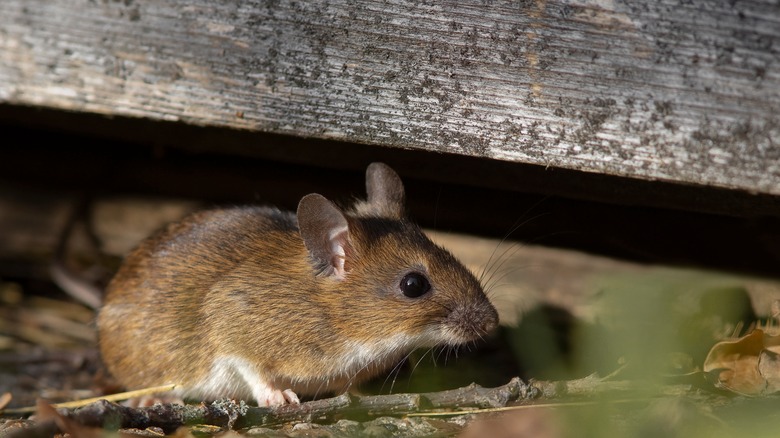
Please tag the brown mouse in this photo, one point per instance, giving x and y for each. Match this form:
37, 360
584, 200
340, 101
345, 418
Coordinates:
260, 304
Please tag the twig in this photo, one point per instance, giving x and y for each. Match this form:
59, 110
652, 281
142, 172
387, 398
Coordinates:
231, 414
523, 407
87, 401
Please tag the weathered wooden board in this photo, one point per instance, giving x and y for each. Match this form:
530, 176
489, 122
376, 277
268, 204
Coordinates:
675, 90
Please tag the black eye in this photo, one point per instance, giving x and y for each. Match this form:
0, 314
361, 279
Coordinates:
414, 285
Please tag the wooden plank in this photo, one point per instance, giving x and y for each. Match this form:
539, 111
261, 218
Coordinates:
680, 91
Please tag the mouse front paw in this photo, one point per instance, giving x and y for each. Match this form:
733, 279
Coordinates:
278, 397
291, 397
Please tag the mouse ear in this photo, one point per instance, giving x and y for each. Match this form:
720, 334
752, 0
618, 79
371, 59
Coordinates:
325, 233
385, 191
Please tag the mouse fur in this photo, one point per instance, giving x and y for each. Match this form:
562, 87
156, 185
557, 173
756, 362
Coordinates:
260, 304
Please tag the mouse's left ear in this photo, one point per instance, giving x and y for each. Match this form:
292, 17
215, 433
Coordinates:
385, 191
325, 233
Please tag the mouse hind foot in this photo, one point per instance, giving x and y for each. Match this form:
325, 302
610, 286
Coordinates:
235, 377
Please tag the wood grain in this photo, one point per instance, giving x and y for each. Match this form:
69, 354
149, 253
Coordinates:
680, 91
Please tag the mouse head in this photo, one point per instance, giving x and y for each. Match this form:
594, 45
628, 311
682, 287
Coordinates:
388, 273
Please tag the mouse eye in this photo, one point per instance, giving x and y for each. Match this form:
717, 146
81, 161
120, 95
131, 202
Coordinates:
414, 285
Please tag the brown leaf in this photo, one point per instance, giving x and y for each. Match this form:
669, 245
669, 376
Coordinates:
748, 365
769, 368
5, 399
46, 412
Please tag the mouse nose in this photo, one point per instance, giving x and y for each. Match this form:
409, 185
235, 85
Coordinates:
475, 320
490, 320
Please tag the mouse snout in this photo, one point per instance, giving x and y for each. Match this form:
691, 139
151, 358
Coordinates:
489, 320
473, 321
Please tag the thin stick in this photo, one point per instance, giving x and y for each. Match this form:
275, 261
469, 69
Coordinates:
79, 403
519, 407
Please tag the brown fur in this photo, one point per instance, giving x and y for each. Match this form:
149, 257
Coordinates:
240, 282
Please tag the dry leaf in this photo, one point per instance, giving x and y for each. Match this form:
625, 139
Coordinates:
748, 365
5, 399
769, 368
47, 412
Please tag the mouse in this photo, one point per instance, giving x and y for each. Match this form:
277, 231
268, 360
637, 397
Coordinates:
268, 306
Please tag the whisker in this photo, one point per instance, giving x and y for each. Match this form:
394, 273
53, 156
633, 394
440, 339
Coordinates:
419, 361
515, 226
489, 283
498, 271
502, 276
442, 349
396, 371
321, 387
506, 255
351, 379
